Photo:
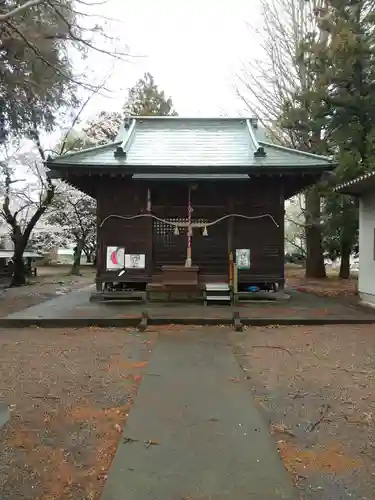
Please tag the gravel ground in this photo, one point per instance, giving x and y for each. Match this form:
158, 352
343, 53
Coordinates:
70, 392
316, 386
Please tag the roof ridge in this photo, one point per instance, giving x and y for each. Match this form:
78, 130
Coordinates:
190, 118
123, 148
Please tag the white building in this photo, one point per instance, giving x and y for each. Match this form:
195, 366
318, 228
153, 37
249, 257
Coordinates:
364, 189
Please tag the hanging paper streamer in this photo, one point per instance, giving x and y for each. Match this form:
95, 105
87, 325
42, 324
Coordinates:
189, 219
188, 252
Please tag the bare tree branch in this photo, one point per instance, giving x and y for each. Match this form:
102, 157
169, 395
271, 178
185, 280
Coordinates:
267, 83
45, 61
78, 115
65, 31
295, 245
33, 3
20, 9
71, 36
22, 208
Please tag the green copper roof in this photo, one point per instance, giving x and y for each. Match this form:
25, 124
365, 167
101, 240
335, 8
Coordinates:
191, 142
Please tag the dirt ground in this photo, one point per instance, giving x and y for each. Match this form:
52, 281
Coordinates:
316, 386
70, 392
331, 286
50, 282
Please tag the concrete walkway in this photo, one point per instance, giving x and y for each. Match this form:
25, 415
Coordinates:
66, 305
212, 442
4, 414
74, 309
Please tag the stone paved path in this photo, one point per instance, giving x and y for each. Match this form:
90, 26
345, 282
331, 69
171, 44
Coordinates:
210, 441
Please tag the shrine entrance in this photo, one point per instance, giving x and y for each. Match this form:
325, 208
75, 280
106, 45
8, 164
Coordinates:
209, 244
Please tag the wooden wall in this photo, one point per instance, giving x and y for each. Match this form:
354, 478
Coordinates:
262, 236
117, 196
210, 201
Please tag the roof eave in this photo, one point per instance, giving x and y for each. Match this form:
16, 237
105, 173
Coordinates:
125, 169
76, 154
296, 151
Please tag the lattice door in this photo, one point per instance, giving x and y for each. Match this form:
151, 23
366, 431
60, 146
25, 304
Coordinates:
169, 248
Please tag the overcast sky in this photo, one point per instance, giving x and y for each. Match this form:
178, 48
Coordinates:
194, 49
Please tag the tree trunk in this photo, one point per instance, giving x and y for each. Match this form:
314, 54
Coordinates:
315, 267
19, 268
345, 262
77, 260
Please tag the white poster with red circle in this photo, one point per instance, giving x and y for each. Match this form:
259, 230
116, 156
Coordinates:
115, 258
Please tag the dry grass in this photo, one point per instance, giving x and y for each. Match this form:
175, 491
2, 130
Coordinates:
318, 392
70, 392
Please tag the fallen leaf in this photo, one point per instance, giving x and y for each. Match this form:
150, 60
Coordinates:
151, 442
281, 429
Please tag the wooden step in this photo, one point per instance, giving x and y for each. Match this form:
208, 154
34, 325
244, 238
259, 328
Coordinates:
218, 297
180, 284
217, 292
217, 287
118, 295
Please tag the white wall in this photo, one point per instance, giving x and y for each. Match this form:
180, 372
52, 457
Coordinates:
366, 281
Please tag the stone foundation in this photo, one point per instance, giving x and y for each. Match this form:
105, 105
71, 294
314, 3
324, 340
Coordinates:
367, 299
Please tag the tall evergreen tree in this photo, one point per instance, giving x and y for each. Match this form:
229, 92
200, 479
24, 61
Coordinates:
342, 105
145, 98
38, 40
302, 118
350, 108
36, 77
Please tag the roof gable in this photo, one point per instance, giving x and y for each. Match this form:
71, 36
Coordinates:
191, 142
99, 155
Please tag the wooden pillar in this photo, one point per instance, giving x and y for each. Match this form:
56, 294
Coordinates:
230, 240
281, 222
99, 246
149, 223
